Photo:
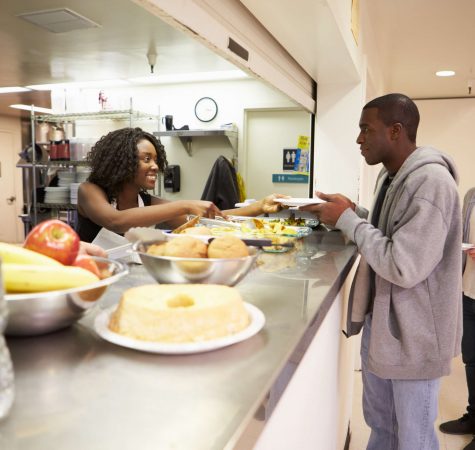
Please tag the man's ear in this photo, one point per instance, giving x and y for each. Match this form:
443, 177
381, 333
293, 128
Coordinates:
396, 130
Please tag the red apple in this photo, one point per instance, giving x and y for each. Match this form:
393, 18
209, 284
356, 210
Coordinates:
86, 262
55, 239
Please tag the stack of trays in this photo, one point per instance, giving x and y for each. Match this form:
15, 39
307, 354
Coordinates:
58, 194
82, 174
65, 178
74, 193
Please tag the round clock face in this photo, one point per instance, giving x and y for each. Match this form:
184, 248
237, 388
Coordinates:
206, 109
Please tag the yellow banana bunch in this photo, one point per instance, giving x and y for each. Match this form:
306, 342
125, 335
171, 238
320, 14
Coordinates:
15, 254
34, 278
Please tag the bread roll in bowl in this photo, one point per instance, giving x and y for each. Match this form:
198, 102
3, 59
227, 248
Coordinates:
227, 247
186, 247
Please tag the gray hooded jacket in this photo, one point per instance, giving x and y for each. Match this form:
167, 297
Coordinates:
468, 205
416, 255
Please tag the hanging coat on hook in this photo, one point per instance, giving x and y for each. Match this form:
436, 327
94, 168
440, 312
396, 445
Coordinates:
222, 186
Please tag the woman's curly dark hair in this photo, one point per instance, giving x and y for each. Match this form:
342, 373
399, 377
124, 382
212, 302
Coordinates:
114, 159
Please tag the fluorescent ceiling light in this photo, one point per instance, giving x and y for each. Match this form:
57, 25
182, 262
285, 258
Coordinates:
445, 73
35, 108
190, 77
7, 90
78, 85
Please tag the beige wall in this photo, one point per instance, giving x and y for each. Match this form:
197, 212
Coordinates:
449, 126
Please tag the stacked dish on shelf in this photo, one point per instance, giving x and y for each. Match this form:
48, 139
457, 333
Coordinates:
68, 185
57, 194
74, 193
82, 174
65, 178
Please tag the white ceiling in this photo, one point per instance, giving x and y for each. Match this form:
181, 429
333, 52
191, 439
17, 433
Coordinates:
415, 38
418, 37
116, 49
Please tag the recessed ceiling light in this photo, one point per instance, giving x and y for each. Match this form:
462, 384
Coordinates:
7, 90
445, 73
35, 108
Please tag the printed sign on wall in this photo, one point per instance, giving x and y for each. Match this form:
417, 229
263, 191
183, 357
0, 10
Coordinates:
288, 161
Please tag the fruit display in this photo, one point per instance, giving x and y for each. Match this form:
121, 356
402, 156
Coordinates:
86, 262
19, 255
55, 239
48, 261
19, 278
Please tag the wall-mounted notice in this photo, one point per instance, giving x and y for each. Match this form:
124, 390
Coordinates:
303, 142
289, 178
288, 158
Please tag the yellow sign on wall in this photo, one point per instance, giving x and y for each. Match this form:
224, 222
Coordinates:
303, 142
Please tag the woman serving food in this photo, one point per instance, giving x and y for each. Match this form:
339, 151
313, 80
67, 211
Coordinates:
125, 164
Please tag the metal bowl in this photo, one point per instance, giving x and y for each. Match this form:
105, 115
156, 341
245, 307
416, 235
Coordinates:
41, 312
175, 270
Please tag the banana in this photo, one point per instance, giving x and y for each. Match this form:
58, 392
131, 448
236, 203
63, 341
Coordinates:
33, 278
19, 255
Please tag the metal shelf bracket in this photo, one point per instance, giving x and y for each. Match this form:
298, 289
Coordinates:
186, 137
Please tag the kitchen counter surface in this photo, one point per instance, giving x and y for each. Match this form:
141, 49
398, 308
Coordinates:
76, 391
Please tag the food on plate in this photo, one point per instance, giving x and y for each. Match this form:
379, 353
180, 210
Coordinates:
291, 221
258, 224
35, 278
197, 230
189, 224
260, 228
179, 313
55, 239
18, 255
227, 247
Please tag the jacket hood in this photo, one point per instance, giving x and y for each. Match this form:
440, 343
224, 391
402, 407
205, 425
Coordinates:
422, 156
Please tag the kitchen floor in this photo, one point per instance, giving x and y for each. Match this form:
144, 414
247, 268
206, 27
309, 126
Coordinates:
452, 404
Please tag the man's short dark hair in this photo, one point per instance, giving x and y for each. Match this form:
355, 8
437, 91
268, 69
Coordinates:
397, 108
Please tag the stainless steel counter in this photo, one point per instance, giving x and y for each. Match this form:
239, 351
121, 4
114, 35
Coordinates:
77, 391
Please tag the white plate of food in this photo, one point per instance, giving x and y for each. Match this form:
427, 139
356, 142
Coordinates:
299, 201
466, 246
101, 325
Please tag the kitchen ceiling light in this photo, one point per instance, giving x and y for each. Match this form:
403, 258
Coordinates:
445, 73
78, 85
8, 90
35, 108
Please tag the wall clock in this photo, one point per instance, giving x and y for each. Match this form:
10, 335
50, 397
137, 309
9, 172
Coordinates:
206, 109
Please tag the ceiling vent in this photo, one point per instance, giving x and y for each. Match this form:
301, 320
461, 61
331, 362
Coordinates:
58, 20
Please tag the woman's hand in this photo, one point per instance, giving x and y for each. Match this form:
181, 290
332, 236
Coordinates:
86, 248
203, 208
269, 205
471, 252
